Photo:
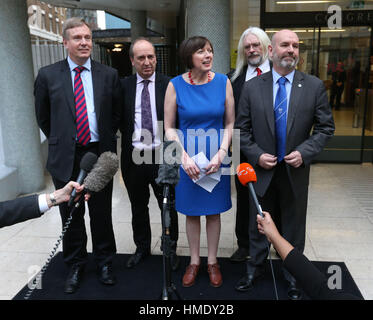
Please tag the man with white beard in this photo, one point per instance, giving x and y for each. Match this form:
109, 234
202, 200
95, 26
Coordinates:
252, 61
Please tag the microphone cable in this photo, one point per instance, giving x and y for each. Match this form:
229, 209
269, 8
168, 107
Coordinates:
272, 270
38, 277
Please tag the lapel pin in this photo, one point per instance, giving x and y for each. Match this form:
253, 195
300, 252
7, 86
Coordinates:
299, 85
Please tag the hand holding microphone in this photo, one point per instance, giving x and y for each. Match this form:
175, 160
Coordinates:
86, 164
96, 173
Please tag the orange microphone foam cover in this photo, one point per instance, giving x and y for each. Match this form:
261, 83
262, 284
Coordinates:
246, 173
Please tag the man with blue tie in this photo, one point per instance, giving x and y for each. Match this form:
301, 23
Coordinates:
285, 121
78, 105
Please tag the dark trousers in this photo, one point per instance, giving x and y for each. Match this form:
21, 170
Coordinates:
137, 179
242, 215
287, 209
75, 239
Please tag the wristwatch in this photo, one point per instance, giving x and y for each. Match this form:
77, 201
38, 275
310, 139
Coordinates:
53, 199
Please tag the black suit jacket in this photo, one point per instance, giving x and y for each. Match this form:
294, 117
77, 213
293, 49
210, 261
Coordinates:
127, 122
19, 210
237, 86
308, 110
55, 112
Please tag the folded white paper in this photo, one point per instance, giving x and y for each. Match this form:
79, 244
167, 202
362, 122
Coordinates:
207, 182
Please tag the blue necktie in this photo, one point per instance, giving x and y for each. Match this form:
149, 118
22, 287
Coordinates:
280, 118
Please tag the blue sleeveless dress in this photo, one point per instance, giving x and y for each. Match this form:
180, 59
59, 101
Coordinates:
200, 118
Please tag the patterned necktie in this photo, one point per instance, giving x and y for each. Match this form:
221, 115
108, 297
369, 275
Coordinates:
258, 71
82, 124
146, 115
280, 118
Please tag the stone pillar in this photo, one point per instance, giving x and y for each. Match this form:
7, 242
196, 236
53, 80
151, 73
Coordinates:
211, 19
138, 24
19, 130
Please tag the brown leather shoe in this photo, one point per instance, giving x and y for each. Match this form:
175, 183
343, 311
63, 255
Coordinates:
190, 275
216, 278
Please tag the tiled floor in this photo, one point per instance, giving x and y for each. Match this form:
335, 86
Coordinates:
339, 228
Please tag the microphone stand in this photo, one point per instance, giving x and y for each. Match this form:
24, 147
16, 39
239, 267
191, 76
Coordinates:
168, 287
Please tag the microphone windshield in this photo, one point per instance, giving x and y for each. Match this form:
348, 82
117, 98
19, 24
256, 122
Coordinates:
102, 173
168, 172
87, 162
246, 173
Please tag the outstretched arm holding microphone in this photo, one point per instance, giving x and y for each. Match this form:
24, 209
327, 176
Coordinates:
34, 206
311, 280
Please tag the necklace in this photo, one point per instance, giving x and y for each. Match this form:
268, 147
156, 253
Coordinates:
191, 80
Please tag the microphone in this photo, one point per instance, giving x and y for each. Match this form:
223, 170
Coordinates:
86, 165
246, 175
102, 173
168, 172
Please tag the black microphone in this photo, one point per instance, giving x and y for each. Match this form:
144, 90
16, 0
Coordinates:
168, 172
102, 173
86, 164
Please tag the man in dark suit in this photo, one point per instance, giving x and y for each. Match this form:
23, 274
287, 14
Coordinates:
34, 206
141, 140
78, 104
252, 61
277, 112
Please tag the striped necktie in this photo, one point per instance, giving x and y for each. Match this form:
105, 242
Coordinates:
280, 118
82, 124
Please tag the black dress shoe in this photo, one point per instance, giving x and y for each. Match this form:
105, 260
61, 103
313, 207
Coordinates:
293, 292
105, 275
175, 261
247, 282
74, 278
136, 258
240, 255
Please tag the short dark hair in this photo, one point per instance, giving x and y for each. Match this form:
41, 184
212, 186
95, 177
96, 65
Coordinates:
73, 23
134, 42
189, 46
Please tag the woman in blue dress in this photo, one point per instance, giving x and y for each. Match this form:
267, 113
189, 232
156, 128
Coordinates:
199, 114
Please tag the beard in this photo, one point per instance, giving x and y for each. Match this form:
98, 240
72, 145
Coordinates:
255, 60
289, 65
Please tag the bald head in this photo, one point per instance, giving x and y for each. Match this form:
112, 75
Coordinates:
284, 51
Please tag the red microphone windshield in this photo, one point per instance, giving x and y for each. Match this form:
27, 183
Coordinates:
246, 173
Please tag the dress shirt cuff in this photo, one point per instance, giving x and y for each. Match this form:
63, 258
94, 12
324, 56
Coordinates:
43, 205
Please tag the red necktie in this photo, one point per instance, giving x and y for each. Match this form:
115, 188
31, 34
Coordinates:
258, 71
82, 124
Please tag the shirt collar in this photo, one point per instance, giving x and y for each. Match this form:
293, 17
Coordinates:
264, 67
140, 79
73, 65
289, 76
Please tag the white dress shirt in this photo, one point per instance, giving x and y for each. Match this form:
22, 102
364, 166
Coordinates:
137, 128
251, 71
86, 77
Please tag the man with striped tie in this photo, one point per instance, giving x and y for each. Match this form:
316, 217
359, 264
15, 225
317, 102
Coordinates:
78, 104
284, 120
